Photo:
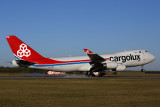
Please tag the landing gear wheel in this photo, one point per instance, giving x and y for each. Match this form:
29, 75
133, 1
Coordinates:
101, 74
90, 74
142, 69
87, 73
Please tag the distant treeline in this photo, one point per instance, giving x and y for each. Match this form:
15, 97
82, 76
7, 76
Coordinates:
19, 70
28, 70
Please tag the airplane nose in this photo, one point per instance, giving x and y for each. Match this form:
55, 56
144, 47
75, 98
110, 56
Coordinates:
152, 57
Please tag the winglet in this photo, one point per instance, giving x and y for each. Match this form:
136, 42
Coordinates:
88, 51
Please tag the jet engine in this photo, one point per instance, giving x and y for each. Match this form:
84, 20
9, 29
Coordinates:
121, 68
110, 65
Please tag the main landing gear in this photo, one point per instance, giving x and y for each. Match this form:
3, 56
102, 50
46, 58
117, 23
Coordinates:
95, 74
90, 74
96, 70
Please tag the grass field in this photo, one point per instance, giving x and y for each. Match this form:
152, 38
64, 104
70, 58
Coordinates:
130, 73
80, 92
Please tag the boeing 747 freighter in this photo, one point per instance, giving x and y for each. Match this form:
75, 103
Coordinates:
93, 64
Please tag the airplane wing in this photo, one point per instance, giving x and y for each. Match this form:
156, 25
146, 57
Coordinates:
95, 58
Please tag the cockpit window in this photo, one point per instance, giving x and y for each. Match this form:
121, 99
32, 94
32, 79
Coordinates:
146, 51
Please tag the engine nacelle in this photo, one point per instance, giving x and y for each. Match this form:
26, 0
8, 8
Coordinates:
14, 62
111, 65
121, 68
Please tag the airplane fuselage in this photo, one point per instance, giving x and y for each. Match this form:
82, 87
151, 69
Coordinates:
128, 58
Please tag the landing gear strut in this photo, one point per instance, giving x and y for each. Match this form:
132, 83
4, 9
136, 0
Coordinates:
142, 68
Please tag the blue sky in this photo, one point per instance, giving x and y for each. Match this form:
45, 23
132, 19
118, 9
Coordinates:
64, 27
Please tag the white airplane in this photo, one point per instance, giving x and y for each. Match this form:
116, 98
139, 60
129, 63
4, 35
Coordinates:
93, 64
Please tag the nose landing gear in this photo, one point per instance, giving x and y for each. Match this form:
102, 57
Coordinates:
142, 68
